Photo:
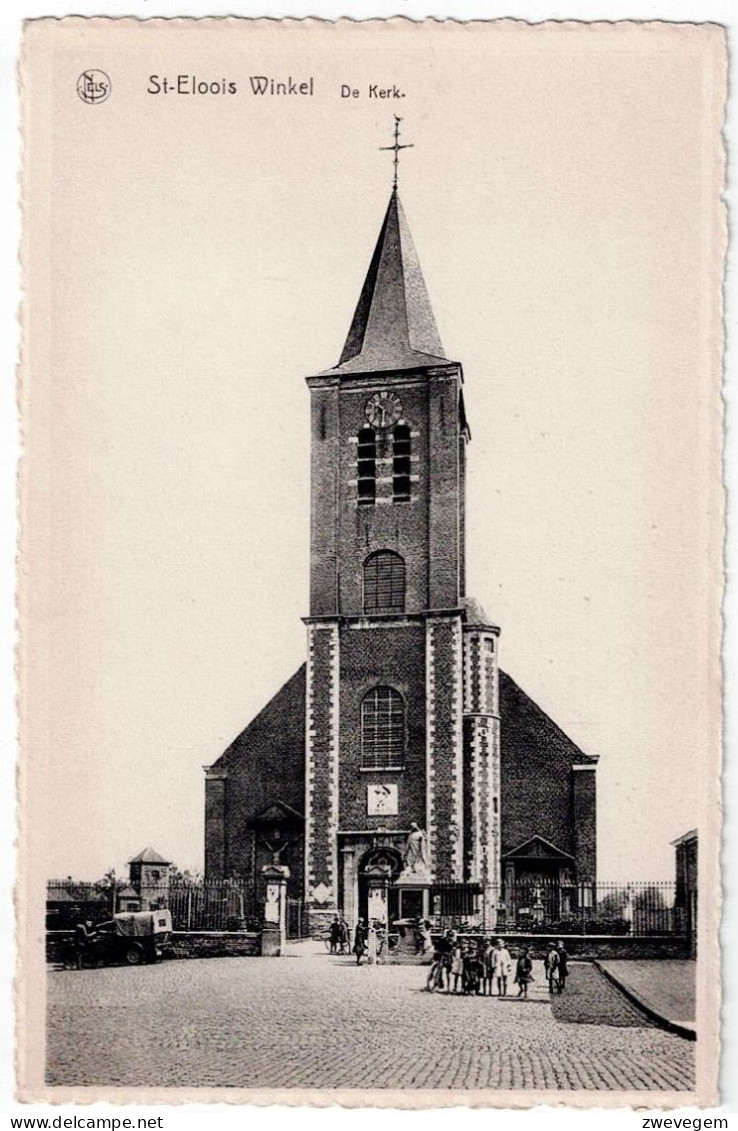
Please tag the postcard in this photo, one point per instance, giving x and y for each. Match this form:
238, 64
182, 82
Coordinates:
371, 562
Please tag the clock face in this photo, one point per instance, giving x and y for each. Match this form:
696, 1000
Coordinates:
383, 409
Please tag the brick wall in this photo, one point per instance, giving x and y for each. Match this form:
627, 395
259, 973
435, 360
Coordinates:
265, 763
584, 803
686, 865
323, 483
445, 490
427, 530
372, 656
215, 829
589, 947
60, 946
384, 525
215, 944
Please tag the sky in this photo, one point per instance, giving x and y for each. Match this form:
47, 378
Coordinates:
194, 259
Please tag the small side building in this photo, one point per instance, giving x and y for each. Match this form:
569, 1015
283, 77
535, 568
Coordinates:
685, 902
148, 875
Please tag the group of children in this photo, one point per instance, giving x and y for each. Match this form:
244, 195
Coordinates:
484, 967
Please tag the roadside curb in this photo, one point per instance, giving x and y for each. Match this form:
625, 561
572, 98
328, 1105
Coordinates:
688, 1032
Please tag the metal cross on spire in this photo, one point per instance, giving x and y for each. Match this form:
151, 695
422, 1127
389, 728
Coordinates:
396, 148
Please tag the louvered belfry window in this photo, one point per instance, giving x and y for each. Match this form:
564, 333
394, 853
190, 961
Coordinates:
401, 463
367, 466
384, 583
382, 729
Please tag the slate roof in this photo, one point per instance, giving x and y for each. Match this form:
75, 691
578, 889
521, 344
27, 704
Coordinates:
475, 613
522, 722
149, 856
393, 326
272, 745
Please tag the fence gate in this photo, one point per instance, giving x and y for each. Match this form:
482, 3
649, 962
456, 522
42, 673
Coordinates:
296, 919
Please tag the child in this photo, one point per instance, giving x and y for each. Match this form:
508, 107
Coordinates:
551, 965
472, 972
489, 951
457, 967
483, 972
501, 967
523, 972
468, 962
563, 967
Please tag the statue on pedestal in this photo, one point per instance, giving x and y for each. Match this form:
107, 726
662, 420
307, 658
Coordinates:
415, 856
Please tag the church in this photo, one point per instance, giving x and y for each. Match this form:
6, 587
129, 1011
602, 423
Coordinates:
400, 744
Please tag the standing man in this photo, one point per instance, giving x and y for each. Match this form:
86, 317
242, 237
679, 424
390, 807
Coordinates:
343, 936
360, 937
563, 965
82, 938
335, 934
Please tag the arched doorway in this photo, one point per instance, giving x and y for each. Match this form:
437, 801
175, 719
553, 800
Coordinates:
381, 857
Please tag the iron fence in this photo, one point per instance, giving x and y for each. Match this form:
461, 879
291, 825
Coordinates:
632, 908
553, 908
298, 924
215, 905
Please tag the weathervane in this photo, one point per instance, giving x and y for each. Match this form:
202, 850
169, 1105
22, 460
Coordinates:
396, 148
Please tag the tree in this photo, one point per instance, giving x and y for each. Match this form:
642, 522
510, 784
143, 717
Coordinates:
186, 878
650, 898
110, 887
612, 905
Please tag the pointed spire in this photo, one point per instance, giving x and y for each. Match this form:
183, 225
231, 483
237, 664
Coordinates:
393, 326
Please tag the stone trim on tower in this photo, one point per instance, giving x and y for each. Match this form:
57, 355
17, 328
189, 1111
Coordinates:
321, 765
482, 841
444, 746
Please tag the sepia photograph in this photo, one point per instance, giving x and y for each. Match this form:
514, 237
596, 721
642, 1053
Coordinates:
371, 562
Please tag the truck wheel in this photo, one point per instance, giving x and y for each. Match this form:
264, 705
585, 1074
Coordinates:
134, 957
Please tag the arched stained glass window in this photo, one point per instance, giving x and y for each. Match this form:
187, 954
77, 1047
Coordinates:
401, 463
382, 729
384, 582
367, 466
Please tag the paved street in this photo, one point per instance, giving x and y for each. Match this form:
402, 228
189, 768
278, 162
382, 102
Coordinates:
668, 987
316, 1021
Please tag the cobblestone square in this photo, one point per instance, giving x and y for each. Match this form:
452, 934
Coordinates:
320, 1022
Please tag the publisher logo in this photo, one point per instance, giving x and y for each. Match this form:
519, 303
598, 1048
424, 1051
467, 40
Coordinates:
93, 87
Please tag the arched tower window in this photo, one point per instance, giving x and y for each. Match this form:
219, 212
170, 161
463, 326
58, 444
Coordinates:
382, 729
367, 466
384, 583
401, 463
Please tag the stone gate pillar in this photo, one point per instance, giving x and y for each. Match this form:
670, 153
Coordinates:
274, 931
378, 878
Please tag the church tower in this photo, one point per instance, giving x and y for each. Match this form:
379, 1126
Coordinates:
400, 772
402, 715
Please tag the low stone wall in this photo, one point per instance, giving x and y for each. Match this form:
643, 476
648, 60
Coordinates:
214, 944
590, 947
60, 948
318, 920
